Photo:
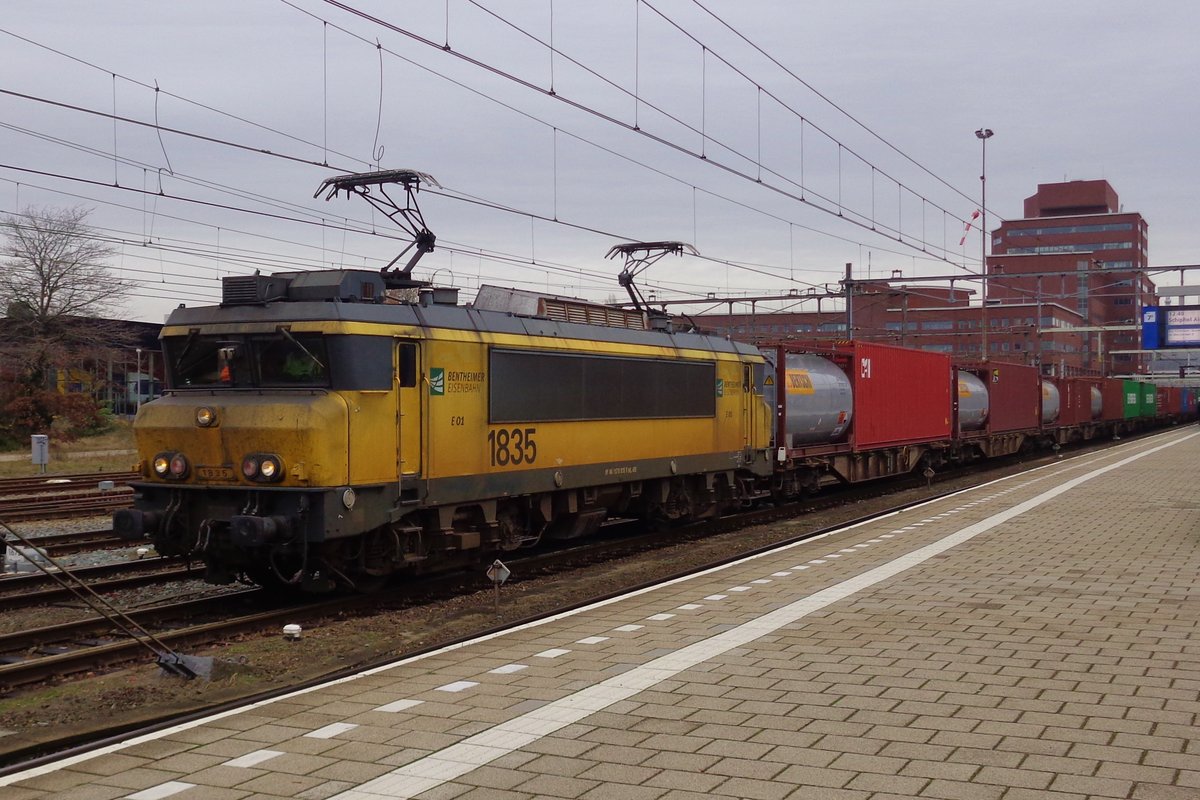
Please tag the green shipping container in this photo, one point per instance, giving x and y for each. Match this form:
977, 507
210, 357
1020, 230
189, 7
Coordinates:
1149, 399
1131, 399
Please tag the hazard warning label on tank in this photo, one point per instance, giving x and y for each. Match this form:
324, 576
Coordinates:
799, 382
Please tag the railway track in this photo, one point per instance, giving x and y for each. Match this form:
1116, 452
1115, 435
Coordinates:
61, 544
43, 484
63, 496
49, 652
65, 504
37, 588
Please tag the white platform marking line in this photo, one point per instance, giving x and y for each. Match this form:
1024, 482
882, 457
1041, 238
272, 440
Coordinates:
689, 607
457, 686
553, 652
399, 705
1052, 471
162, 790
759, 581
331, 730
508, 669
483, 748
592, 640
780, 574
629, 628
252, 759
660, 617
716, 597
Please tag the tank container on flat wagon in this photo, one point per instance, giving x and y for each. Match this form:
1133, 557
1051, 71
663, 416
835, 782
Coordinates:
900, 395
1051, 402
1014, 395
1080, 400
972, 401
819, 401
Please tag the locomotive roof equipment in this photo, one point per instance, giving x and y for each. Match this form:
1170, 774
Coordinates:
639, 256
408, 216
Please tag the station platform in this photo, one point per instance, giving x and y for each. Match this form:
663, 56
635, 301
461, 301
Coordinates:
1034, 637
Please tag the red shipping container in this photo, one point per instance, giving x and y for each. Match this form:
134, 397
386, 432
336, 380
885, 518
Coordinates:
1174, 400
900, 395
1014, 395
1112, 390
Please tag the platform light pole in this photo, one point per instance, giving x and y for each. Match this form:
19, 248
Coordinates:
983, 134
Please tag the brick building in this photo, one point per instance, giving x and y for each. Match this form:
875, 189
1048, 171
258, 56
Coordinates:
1075, 231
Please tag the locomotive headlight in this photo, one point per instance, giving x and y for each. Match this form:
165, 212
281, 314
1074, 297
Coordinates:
206, 417
262, 467
250, 467
178, 466
162, 464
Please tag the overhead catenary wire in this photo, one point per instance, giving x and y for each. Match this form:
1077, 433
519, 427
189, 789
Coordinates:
266, 151
161, 193
640, 130
840, 109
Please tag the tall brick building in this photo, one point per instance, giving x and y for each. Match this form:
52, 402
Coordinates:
1078, 227
1075, 228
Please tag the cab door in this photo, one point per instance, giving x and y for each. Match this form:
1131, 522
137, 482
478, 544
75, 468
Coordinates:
747, 406
408, 391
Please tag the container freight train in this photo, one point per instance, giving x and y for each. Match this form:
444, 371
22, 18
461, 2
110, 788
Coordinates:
315, 433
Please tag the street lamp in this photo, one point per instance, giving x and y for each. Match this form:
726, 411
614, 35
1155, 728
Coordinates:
137, 403
983, 134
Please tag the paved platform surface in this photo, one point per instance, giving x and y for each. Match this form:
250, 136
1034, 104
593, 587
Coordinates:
1030, 639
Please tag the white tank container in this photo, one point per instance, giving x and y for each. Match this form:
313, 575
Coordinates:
1050, 402
973, 402
819, 399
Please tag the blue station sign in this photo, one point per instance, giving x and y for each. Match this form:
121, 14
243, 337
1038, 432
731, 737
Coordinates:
1166, 327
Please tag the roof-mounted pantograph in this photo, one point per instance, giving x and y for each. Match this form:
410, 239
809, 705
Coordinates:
639, 256
407, 216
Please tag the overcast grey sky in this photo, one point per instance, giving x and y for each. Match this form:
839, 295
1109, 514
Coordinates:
1073, 90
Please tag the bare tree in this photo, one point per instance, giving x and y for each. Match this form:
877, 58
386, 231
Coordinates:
56, 288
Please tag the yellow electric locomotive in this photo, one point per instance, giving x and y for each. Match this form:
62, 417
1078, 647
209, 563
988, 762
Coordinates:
315, 433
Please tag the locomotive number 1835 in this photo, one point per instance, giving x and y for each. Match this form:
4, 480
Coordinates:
512, 446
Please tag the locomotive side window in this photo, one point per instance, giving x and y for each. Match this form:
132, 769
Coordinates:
546, 387
407, 371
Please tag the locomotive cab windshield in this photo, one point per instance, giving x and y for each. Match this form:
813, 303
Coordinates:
277, 360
